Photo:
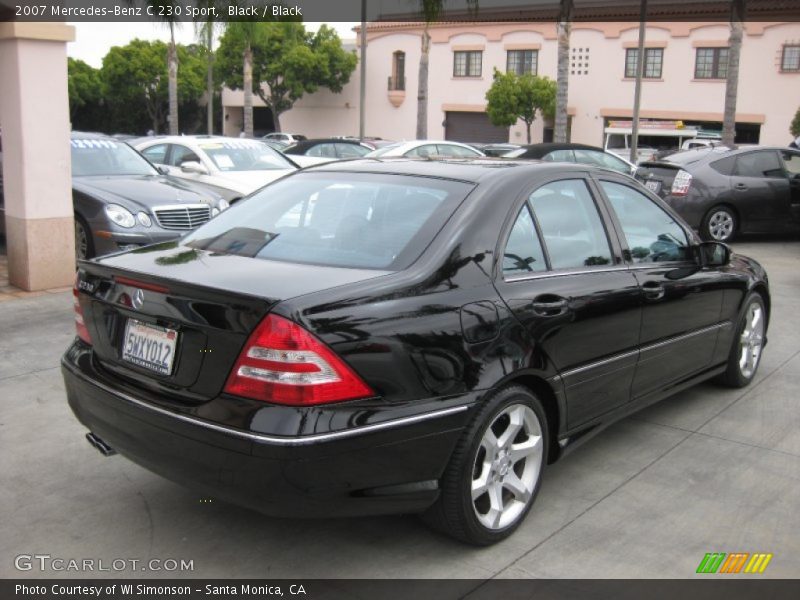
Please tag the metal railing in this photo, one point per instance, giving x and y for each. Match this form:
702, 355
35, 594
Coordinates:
397, 83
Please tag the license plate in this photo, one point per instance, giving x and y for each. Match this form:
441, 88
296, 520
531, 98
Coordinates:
653, 186
149, 346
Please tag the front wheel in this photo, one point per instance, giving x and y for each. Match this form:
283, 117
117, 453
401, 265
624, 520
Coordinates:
719, 224
495, 471
748, 342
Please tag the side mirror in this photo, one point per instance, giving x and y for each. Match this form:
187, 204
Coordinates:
192, 166
714, 254
163, 170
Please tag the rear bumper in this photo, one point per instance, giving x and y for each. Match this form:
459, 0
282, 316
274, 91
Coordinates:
386, 468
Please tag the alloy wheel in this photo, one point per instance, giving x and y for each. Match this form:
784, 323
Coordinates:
752, 340
507, 467
720, 225
81, 240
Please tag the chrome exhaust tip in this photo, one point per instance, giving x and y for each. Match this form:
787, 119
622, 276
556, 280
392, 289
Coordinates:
100, 445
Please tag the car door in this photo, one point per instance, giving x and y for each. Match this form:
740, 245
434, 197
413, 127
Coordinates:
562, 276
791, 163
681, 303
760, 191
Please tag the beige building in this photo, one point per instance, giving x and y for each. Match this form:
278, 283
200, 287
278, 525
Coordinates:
685, 74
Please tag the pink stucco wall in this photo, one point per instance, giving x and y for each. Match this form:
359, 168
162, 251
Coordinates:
766, 95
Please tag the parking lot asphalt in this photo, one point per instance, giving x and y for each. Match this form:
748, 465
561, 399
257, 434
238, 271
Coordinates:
711, 469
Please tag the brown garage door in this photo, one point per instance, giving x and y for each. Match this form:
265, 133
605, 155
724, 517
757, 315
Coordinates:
472, 127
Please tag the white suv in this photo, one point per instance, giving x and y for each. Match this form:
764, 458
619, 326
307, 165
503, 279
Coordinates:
232, 167
286, 138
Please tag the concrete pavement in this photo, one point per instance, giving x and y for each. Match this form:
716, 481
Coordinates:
711, 469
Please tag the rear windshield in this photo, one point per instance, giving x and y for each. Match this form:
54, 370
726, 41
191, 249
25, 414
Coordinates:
357, 220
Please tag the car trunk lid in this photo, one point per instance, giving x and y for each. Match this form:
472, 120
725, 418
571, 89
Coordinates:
173, 319
657, 176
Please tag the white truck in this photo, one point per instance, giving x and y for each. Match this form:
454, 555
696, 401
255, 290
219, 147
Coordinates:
654, 137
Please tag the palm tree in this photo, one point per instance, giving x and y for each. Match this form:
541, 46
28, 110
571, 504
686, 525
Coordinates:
205, 34
732, 83
430, 11
166, 13
562, 77
247, 31
172, 63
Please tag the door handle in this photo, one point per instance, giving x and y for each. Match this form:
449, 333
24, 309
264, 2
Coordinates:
550, 306
653, 290
740, 187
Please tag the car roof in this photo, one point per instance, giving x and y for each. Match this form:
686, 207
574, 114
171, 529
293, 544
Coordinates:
91, 135
540, 150
708, 154
303, 144
471, 170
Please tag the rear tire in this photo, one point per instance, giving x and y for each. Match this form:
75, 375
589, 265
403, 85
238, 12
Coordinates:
495, 471
748, 343
719, 224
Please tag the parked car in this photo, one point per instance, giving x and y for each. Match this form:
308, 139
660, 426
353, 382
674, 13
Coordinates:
724, 192
394, 336
313, 152
286, 138
231, 167
426, 149
496, 149
274, 144
121, 201
575, 153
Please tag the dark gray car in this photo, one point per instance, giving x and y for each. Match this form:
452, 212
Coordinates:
122, 201
723, 192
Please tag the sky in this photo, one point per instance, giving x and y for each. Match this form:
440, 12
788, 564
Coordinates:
93, 40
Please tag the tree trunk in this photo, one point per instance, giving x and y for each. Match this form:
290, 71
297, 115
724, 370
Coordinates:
210, 78
528, 129
732, 83
562, 77
276, 117
422, 89
248, 91
172, 57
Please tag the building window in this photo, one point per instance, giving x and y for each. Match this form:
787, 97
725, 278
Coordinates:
790, 59
397, 81
467, 64
653, 59
522, 62
711, 63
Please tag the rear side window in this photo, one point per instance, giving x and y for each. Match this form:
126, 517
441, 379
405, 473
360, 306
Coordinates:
570, 224
724, 166
560, 156
523, 253
759, 164
652, 235
351, 220
792, 161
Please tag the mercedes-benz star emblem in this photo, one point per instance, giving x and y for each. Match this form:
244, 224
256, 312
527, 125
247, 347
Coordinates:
137, 299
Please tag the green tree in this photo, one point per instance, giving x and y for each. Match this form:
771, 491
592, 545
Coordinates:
513, 97
85, 92
794, 128
286, 62
136, 79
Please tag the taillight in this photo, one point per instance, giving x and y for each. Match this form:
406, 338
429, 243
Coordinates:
80, 325
681, 183
285, 364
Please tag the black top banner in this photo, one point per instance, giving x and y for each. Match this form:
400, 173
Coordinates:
391, 10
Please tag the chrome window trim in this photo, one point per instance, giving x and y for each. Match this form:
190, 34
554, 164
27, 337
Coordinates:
600, 363
547, 274
269, 439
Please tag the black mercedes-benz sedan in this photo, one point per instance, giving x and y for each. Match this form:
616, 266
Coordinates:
383, 336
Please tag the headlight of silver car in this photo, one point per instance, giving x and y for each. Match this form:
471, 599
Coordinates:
144, 219
120, 215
